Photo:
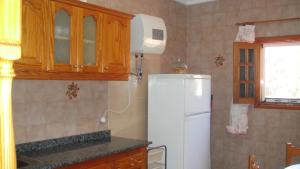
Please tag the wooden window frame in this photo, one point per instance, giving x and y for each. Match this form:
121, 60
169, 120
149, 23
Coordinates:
258, 75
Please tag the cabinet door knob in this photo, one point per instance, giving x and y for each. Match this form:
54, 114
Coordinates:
106, 68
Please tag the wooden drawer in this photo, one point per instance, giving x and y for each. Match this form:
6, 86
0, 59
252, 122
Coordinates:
133, 159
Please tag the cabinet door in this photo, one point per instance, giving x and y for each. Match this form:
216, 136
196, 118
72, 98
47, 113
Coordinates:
63, 38
34, 36
90, 40
117, 45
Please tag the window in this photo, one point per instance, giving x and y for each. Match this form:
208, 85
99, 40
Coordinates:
267, 72
281, 72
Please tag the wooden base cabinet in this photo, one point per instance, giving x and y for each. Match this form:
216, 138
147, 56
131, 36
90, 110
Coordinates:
134, 159
73, 40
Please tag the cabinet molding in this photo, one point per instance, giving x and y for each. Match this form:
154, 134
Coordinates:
33, 75
96, 8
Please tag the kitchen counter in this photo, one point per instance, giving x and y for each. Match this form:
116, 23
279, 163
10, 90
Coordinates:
54, 153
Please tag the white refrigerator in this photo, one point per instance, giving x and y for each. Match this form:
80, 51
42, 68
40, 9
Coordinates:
179, 117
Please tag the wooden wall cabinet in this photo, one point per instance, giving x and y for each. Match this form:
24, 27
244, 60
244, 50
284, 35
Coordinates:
34, 37
68, 39
134, 159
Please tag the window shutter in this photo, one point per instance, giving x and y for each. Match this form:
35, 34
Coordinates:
245, 56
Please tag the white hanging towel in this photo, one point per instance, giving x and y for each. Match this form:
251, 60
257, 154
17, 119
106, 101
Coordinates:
246, 34
238, 122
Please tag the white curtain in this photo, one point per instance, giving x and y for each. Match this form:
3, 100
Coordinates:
246, 34
238, 120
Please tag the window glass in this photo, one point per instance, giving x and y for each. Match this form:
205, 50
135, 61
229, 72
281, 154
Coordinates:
251, 73
282, 71
251, 90
242, 73
243, 56
242, 90
251, 56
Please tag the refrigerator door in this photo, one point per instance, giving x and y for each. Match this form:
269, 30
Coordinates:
197, 141
197, 95
166, 117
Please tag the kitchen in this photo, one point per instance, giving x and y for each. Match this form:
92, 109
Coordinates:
197, 34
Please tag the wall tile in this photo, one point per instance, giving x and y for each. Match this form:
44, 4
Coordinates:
269, 129
41, 109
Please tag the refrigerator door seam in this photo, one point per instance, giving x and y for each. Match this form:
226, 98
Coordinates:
195, 114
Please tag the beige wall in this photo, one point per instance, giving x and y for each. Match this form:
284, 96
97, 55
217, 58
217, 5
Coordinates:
210, 31
131, 123
41, 109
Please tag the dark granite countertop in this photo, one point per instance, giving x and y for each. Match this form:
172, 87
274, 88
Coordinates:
50, 154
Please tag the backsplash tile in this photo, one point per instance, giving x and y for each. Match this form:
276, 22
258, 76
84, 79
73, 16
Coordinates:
41, 110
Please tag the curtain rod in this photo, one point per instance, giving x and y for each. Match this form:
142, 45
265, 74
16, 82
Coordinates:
266, 21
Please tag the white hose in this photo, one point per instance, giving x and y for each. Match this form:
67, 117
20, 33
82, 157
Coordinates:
103, 118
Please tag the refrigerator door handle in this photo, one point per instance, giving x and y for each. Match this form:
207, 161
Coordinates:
196, 114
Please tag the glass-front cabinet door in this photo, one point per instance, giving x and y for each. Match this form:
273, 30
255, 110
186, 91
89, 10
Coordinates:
89, 42
63, 54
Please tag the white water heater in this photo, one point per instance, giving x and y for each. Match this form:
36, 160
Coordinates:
148, 35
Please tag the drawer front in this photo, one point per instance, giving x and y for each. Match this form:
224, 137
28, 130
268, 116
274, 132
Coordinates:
134, 161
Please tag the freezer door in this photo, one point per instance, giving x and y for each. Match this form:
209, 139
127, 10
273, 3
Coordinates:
197, 95
197, 141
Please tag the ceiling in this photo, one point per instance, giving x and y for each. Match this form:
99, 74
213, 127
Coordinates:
192, 2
